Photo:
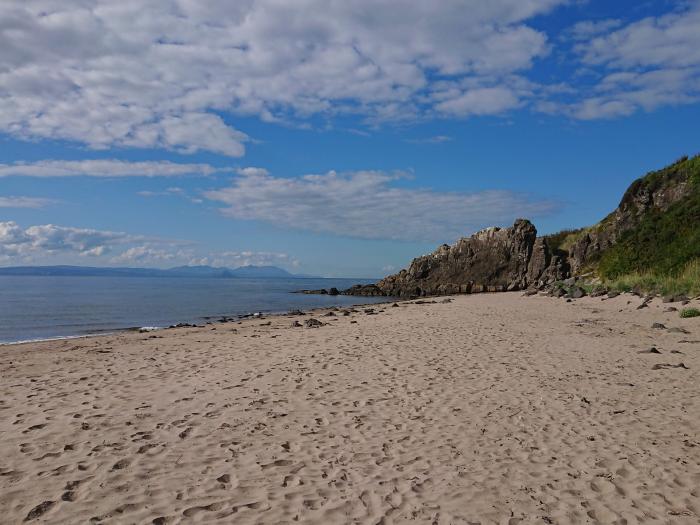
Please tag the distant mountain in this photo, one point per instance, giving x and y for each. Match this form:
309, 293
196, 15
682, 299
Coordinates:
250, 272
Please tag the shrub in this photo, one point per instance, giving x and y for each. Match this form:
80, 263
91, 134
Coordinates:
690, 312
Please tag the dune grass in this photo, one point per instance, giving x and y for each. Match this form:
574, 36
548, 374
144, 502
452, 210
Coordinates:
687, 281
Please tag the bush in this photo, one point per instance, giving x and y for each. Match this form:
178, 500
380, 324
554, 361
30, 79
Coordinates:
690, 312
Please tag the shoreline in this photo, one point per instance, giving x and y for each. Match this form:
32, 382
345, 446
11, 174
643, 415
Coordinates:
488, 408
207, 320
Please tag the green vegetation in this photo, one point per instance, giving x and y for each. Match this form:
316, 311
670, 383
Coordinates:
690, 312
562, 241
664, 241
686, 282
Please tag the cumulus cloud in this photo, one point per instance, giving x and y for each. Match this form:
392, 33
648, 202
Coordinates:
646, 64
48, 239
369, 204
103, 168
24, 202
53, 244
163, 74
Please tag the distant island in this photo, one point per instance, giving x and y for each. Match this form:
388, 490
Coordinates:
250, 272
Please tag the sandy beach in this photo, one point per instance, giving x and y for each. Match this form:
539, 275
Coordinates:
492, 408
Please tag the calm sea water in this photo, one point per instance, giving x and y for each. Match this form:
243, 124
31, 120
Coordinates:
47, 307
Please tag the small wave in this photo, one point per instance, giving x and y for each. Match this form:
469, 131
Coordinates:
43, 339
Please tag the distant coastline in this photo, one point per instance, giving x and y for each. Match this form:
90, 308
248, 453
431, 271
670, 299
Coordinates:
254, 272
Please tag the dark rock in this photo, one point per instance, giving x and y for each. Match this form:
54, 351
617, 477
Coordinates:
662, 366
329, 314
313, 323
296, 324
530, 292
365, 290
183, 325
295, 312
670, 309
333, 291
492, 260
577, 292
613, 294
558, 292
659, 326
652, 350
40, 509
394, 305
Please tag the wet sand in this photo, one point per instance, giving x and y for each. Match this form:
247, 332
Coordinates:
488, 409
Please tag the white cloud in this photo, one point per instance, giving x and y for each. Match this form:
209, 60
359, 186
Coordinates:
162, 74
587, 29
52, 244
146, 254
24, 202
647, 64
103, 168
49, 239
480, 101
369, 204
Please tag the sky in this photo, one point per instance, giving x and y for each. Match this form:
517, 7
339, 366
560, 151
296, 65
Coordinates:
329, 138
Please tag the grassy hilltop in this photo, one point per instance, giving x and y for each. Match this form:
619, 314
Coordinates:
651, 241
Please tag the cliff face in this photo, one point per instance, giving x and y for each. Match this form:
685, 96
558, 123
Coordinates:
654, 194
494, 259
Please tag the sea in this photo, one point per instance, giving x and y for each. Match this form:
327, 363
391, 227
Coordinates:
35, 308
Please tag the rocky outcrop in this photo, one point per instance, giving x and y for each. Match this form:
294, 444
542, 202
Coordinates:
656, 192
497, 259
492, 260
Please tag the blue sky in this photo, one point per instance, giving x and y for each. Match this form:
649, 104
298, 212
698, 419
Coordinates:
331, 138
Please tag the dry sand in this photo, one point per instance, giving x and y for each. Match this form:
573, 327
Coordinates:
490, 409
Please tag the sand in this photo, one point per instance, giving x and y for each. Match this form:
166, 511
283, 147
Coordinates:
489, 409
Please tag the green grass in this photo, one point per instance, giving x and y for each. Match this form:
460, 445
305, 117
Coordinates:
663, 242
690, 312
686, 281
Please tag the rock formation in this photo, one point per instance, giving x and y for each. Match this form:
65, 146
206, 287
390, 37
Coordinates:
492, 260
504, 259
